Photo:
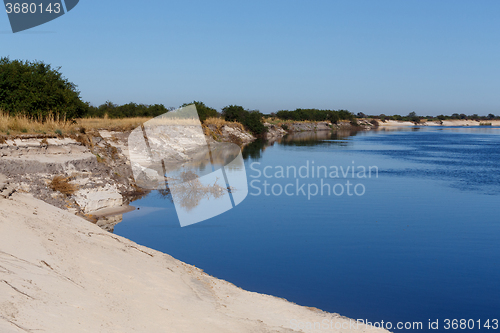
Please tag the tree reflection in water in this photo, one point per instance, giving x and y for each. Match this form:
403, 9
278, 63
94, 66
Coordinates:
189, 191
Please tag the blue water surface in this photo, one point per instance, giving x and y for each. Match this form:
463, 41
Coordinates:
422, 243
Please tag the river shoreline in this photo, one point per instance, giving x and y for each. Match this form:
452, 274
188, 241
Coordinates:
60, 273
98, 165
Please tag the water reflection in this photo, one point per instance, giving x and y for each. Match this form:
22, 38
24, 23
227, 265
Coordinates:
254, 150
190, 191
301, 139
469, 158
317, 138
170, 153
196, 181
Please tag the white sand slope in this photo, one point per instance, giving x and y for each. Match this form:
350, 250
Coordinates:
60, 273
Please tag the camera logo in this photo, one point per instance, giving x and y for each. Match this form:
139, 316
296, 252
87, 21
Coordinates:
169, 153
29, 14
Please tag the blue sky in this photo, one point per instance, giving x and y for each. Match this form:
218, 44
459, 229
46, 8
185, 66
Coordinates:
391, 57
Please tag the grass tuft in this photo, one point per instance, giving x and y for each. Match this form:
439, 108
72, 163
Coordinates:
62, 184
219, 123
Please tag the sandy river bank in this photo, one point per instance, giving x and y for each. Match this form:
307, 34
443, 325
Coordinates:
61, 273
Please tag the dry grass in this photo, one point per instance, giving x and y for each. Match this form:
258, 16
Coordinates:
99, 158
124, 124
235, 139
114, 152
21, 124
279, 122
219, 122
172, 121
62, 184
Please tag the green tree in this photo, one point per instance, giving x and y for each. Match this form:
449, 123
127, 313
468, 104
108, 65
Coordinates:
315, 115
126, 110
412, 116
204, 111
252, 120
233, 113
36, 89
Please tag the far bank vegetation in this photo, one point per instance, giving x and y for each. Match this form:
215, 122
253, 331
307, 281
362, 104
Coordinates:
35, 98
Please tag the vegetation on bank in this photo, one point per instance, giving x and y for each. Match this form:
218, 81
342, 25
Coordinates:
251, 120
37, 90
23, 124
413, 117
36, 98
218, 123
332, 116
115, 111
204, 111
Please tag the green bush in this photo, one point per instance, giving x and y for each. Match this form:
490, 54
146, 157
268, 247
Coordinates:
252, 120
126, 110
35, 89
315, 115
412, 116
233, 113
204, 111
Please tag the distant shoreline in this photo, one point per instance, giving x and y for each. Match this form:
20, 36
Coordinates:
451, 122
